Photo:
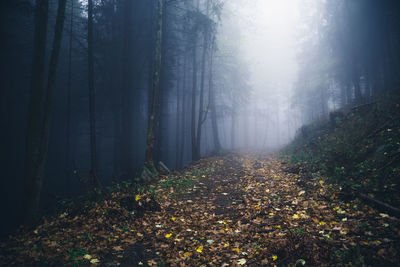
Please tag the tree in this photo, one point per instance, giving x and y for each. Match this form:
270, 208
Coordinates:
37, 172
94, 180
128, 87
152, 122
206, 37
69, 87
213, 106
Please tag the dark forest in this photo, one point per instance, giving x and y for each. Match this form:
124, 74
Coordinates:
200, 132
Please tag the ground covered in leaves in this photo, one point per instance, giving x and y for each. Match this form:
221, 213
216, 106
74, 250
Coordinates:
358, 148
227, 211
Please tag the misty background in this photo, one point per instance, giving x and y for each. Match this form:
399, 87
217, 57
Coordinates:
242, 75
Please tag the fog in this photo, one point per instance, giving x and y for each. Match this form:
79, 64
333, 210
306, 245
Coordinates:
99, 92
266, 33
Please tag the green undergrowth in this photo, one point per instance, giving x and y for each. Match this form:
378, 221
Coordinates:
172, 184
358, 149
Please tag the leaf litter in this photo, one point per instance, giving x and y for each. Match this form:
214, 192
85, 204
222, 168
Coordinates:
233, 210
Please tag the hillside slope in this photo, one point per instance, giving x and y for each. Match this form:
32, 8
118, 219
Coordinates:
358, 149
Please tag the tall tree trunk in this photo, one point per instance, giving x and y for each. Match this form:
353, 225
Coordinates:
116, 79
150, 144
342, 95
32, 188
95, 182
69, 85
233, 126
38, 170
163, 101
179, 114
127, 97
194, 89
356, 84
201, 100
213, 106
185, 110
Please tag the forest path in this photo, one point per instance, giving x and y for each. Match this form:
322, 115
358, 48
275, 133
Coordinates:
247, 210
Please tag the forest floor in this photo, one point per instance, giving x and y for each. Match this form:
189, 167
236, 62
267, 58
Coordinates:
223, 211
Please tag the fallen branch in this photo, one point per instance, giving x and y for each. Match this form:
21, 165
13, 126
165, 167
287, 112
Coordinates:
163, 167
381, 128
393, 160
385, 206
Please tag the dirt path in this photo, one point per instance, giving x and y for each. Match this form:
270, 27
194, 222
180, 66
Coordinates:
227, 211
246, 210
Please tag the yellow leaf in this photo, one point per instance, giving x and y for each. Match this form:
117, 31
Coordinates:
93, 261
168, 235
274, 257
138, 197
187, 254
173, 218
340, 211
236, 249
226, 244
271, 214
87, 257
199, 249
321, 223
295, 216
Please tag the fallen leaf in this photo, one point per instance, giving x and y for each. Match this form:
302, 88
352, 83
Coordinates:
241, 262
236, 249
94, 261
87, 257
187, 254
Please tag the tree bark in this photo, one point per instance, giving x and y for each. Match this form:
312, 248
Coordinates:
35, 109
38, 169
201, 100
150, 144
127, 97
233, 130
213, 106
94, 180
185, 110
194, 89
69, 85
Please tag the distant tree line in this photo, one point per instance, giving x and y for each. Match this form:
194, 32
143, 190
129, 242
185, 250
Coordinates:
349, 54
